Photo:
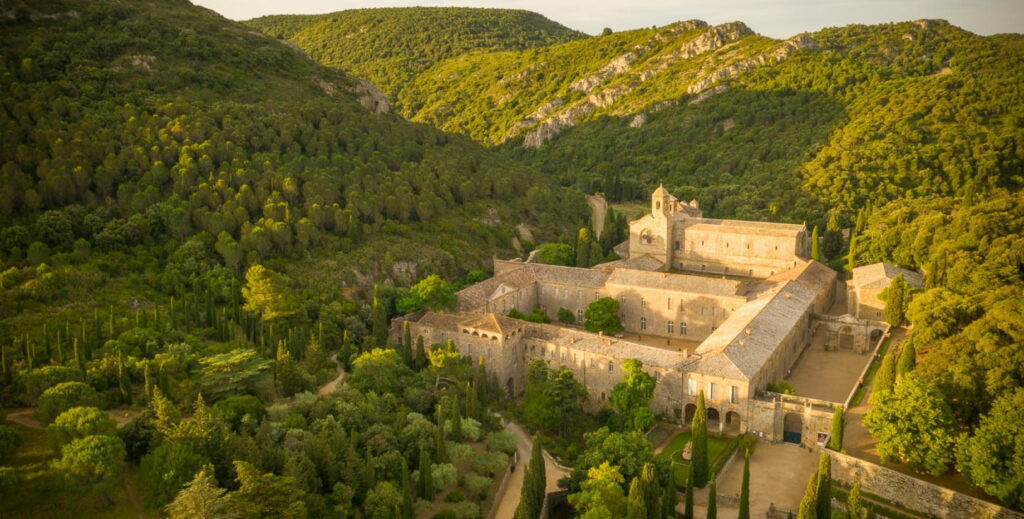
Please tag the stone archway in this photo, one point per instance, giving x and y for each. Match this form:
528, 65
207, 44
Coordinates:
732, 423
876, 334
688, 413
792, 428
714, 420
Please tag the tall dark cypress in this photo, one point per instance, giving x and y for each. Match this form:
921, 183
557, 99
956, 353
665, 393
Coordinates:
531, 500
406, 490
426, 480
713, 502
380, 319
745, 488
824, 500
689, 493
699, 438
406, 346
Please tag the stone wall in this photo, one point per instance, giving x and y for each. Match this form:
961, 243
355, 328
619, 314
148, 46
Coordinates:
913, 493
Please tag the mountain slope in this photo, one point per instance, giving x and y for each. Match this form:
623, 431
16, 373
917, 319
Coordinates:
390, 46
824, 122
142, 126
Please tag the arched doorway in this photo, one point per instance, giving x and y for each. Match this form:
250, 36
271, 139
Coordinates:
876, 334
792, 428
732, 423
714, 419
846, 338
510, 386
688, 413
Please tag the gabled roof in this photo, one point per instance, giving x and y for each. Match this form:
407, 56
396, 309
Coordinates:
745, 227
879, 275
677, 282
643, 262
492, 323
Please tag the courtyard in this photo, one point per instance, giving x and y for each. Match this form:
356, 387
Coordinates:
827, 375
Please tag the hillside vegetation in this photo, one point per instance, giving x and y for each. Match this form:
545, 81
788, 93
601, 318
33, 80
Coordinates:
391, 46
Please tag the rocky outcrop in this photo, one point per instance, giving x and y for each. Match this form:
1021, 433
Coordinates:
551, 119
370, 97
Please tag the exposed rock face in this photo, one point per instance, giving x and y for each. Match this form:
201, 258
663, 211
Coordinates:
371, 97
623, 74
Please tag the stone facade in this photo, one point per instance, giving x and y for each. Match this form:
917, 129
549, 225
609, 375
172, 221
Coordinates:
912, 493
724, 307
867, 284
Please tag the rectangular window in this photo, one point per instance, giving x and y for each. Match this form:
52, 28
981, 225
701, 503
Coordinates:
682, 328
611, 367
579, 315
711, 390
733, 392
671, 327
677, 244
542, 290
643, 303
669, 303
691, 386
643, 323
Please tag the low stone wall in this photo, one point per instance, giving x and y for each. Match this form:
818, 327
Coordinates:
913, 493
501, 488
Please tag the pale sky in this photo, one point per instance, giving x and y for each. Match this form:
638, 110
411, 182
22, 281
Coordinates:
775, 18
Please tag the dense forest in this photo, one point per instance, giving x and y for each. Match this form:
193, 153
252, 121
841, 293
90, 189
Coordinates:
391, 46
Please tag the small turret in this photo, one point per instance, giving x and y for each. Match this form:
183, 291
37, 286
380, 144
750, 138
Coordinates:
662, 202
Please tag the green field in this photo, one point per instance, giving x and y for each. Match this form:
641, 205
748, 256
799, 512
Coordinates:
716, 444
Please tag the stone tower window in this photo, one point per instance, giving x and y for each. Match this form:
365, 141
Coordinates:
682, 328
657, 205
671, 327
677, 244
643, 323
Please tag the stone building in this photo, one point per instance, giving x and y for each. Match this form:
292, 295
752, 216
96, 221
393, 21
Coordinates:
867, 284
720, 306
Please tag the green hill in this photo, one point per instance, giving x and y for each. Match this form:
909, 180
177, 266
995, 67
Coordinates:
711, 110
135, 128
390, 46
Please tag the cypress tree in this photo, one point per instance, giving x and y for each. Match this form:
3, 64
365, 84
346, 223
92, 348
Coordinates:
897, 295
670, 498
851, 257
745, 488
809, 503
426, 483
835, 440
3, 365
649, 485
79, 357
406, 351
421, 353
583, 248
147, 382
596, 254
699, 438
531, 500
824, 502
380, 319
689, 493
815, 245
472, 404
441, 443
457, 420
635, 506
886, 376
713, 505
406, 490
854, 508
907, 360
124, 384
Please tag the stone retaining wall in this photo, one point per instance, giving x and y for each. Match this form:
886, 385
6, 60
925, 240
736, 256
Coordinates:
912, 493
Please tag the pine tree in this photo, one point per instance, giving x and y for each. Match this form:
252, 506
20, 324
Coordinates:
815, 245
745, 488
689, 493
854, 507
824, 502
380, 319
426, 483
835, 440
713, 502
907, 360
809, 503
699, 438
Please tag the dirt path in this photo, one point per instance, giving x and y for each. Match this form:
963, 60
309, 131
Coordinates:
26, 417
600, 207
506, 503
133, 498
329, 387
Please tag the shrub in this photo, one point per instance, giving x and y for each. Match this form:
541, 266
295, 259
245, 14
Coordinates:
782, 387
444, 475
490, 463
79, 422
64, 396
167, 469
565, 316
455, 496
9, 442
459, 451
233, 408
501, 441
36, 381
470, 429
476, 484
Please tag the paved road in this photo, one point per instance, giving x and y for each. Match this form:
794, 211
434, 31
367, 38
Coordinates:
507, 502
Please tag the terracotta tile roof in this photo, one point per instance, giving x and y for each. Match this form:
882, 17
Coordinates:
744, 227
492, 323
677, 282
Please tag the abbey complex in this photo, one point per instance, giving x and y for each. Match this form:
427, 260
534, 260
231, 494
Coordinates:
723, 306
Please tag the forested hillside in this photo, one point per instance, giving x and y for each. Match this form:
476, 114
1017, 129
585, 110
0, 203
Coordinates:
825, 121
390, 46
192, 215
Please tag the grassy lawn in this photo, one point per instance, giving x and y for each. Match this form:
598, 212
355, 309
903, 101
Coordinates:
869, 377
660, 432
673, 453
43, 495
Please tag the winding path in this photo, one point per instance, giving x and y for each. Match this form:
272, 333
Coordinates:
507, 502
329, 387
